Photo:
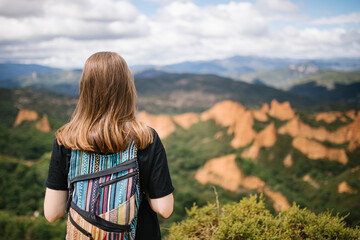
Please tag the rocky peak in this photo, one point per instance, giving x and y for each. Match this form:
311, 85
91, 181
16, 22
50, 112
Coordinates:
315, 150
265, 108
282, 111
186, 120
265, 138
25, 115
223, 171
259, 115
163, 124
344, 187
43, 125
224, 113
328, 117
288, 162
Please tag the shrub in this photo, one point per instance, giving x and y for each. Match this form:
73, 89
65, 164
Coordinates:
249, 219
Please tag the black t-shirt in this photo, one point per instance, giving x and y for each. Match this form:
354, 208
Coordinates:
154, 180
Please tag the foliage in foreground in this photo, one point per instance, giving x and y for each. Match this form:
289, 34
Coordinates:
249, 219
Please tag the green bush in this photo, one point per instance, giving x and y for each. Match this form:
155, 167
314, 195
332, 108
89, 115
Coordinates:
249, 219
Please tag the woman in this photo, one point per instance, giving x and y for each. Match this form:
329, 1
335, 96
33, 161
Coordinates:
104, 122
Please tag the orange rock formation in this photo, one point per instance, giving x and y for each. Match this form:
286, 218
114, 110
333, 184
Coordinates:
265, 138
163, 124
243, 131
307, 178
280, 203
315, 150
224, 113
252, 182
351, 114
282, 111
265, 108
186, 120
259, 115
234, 116
328, 117
221, 171
43, 125
288, 162
344, 187
224, 172
25, 115
349, 133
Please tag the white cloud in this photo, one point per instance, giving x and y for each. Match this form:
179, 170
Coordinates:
341, 19
68, 31
213, 21
76, 20
277, 5
93, 10
21, 8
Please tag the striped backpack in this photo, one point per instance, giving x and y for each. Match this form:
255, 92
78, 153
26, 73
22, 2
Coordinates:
104, 195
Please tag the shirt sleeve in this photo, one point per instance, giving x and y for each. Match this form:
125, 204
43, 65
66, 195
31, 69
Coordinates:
160, 183
57, 176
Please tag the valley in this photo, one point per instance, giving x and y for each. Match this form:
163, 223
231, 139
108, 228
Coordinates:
238, 137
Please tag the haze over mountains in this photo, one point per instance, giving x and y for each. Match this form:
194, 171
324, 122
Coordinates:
179, 87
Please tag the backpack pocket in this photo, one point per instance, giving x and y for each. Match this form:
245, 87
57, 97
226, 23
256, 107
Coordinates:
105, 203
121, 207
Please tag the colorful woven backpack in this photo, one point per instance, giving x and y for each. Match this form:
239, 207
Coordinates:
104, 195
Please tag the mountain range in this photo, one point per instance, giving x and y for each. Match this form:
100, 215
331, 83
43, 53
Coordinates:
299, 144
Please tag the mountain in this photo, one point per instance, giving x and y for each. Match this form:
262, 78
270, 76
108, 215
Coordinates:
230, 67
329, 86
176, 93
235, 67
13, 70
64, 81
281, 77
340, 93
170, 92
149, 73
328, 79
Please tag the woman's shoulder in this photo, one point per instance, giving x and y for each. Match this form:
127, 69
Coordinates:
155, 146
60, 150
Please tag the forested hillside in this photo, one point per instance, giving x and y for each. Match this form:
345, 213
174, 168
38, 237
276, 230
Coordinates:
238, 149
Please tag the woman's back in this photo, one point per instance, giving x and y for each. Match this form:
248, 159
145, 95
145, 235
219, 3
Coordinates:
103, 135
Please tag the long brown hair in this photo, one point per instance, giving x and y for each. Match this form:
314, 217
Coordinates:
104, 120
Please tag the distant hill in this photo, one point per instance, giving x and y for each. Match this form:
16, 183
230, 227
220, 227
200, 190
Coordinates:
175, 93
160, 91
328, 79
281, 77
14, 70
230, 67
329, 86
149, 73
64, 81
349, 93
235, 67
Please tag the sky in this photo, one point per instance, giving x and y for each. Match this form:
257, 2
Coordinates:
64, 33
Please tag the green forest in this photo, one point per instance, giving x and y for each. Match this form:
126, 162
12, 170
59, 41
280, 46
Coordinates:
25, 153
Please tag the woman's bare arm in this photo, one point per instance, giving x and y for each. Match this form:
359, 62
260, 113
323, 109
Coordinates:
54, 204
163, 206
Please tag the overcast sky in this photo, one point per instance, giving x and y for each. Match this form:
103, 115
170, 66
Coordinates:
64, 33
